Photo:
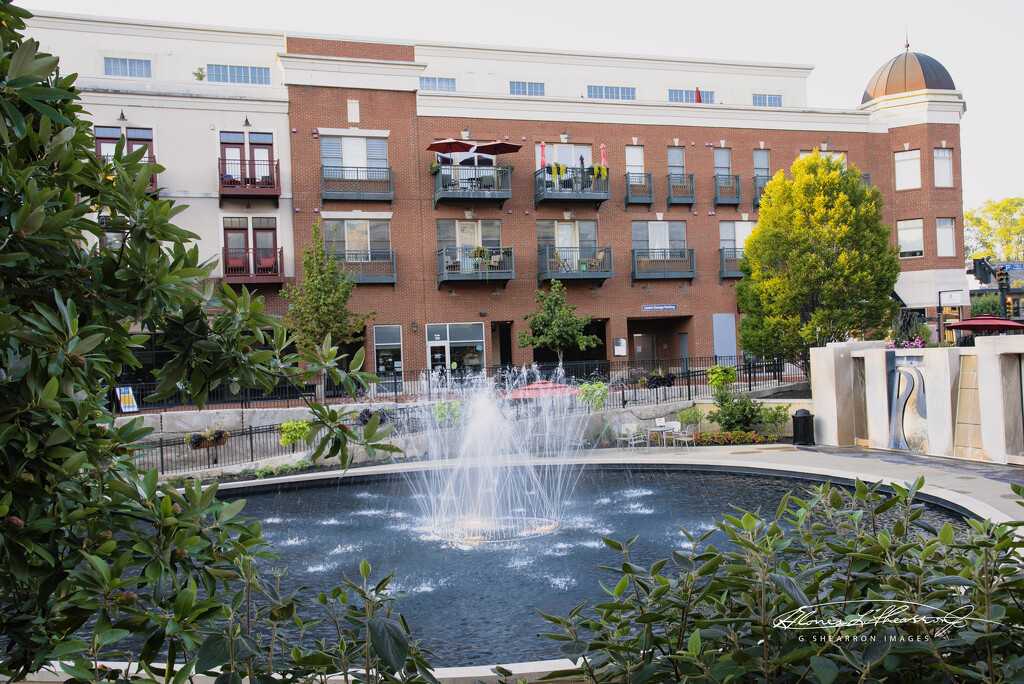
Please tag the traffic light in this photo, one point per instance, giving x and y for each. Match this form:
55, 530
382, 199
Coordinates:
1008, 308
1002, 277
982, 271
1016, 309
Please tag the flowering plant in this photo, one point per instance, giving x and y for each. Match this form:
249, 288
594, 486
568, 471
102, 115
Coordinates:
479, 252
206, 438
916, 343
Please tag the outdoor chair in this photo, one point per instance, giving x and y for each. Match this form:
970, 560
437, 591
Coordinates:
628, 436
688, 435
486, 182
495, 263
674, 431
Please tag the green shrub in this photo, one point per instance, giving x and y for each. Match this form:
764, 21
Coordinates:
733, 437
718, 613
774, 418
448, 412
736, 411
719, 377
294, 431
690, 415
594, 394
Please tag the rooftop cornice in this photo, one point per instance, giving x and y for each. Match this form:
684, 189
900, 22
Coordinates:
141, 27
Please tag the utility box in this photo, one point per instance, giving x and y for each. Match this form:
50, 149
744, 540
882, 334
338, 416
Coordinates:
803, 427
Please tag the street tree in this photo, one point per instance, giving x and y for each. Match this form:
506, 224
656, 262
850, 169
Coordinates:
555, 325
819, 266
93, 551
318, 305
996, 230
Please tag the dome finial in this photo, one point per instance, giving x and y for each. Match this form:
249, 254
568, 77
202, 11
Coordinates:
906, 45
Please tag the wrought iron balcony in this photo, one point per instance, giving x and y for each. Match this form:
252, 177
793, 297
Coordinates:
572, 184
253, 178
650, 264
865, 179
680, 189
759, 184
574, 263
639, 190
253, 265
729, 263
356, 183
368, 266
494, 264
727, 189
455, 182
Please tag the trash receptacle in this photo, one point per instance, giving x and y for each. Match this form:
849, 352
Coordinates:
803, 427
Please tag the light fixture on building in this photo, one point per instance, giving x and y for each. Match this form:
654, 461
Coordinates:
470, 214
247, 124
315, 133
122, 117
415, 326
483, 314
465, 132
568, 215
827, 143
564, 135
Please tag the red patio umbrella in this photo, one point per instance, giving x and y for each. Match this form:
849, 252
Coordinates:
449, 145
987, 324
543, 162
497, 147
540, 389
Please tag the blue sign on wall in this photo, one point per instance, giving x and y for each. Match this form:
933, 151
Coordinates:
659, 307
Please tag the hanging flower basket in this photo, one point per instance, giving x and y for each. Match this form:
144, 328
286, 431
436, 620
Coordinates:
206, 439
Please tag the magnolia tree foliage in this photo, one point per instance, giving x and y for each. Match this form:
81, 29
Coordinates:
818, 267
555, 326
83, 534
318, 305
996, 229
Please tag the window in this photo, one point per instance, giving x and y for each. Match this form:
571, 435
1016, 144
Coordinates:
659, 235
568, 154
734, 234
945, 237
634, 159
568, 234
943, 168
910, 234
762, 100
353, 239
112, 239
690, 96
387, 346
131, 68
908, 170
525, 88
677, 160
723, 161
446, 85
225, 73
451, 233
107, 138
259, 170
611, 92
455, 346
349, 155
762, 163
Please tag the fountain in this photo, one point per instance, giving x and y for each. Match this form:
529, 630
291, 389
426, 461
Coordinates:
481, 480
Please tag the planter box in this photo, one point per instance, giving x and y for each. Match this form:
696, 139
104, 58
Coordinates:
207, 443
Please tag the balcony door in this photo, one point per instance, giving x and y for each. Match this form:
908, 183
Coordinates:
236, 259
266, 250
232, 154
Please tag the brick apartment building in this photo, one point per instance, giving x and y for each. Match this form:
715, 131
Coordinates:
664, 161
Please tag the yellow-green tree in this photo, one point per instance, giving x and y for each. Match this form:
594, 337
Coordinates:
818, 267
996, 229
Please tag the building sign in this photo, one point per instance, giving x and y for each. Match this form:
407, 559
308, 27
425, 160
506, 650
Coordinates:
619, 346
659, 307
951, 298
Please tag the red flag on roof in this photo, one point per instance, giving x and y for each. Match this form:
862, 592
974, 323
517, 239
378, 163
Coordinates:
696, 95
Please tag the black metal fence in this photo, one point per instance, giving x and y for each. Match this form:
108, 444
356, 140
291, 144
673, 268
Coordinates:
174, 455
630, 382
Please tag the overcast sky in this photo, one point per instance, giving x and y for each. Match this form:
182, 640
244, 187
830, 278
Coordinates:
979, 43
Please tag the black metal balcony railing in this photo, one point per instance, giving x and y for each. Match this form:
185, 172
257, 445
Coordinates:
639, 190
368, 266
455, 182
252, 178
475, 263
663, 264
759, 184
253, 265
729, 263
570, 184
865, 179
727, 189
574, 263
356, 183
680, 189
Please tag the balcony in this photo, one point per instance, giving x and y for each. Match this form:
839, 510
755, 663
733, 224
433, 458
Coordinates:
865, 179
368, 266
574, 263
356, 183
574, 184
729, 263
248, 265
247, 179
680, 189
639, 190
493, 264
453, 182
727, 189
759, 184
663, 264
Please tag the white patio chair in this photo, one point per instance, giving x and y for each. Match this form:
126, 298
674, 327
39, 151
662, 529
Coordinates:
675, 431
688, 435
629, 436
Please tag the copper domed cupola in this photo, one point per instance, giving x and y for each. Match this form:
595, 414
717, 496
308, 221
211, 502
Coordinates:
907, 72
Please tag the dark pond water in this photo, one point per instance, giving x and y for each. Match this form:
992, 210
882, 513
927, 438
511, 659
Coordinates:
477, 604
